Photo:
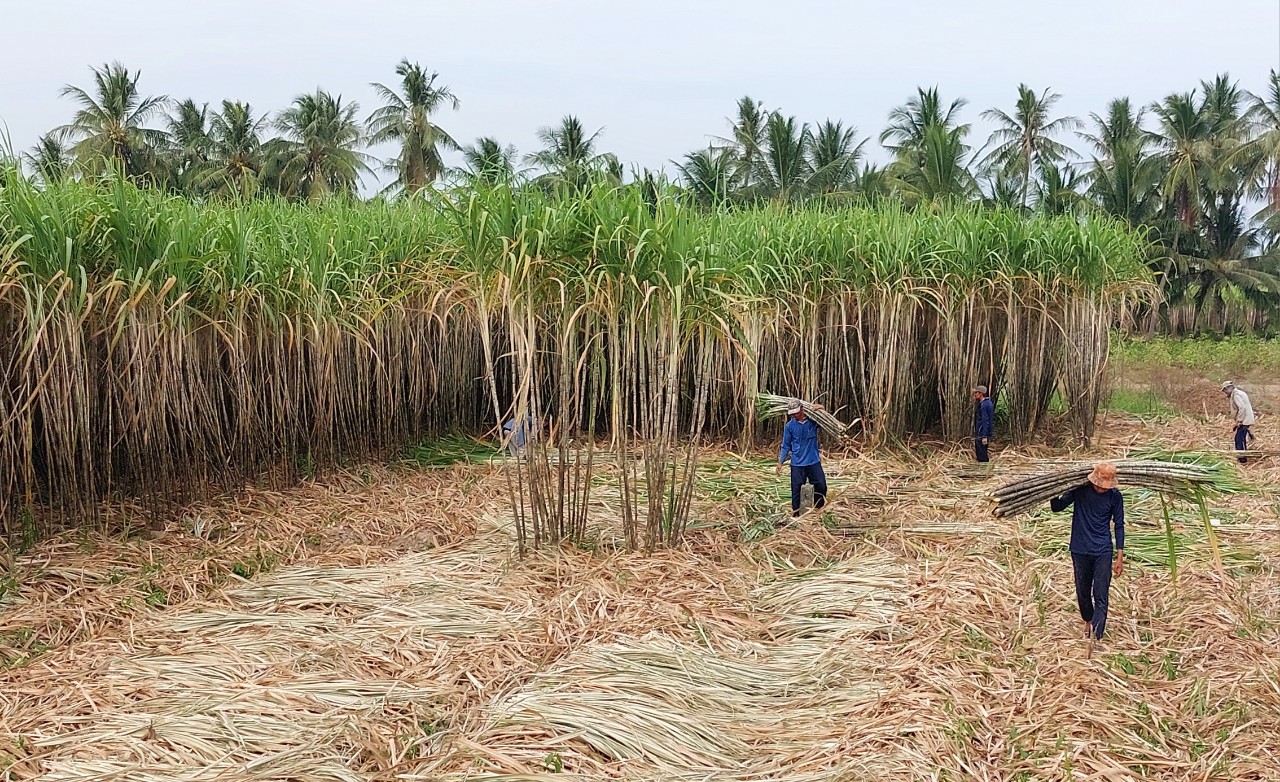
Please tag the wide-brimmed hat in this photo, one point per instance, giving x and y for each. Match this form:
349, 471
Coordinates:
1103, 475
793, 407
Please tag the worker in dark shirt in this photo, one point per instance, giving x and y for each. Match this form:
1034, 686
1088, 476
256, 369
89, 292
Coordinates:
800, 445
984, 421
1097, 505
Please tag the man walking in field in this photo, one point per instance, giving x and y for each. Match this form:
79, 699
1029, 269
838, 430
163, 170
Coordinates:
1241, 416
984, 421
1097, 505
800, 445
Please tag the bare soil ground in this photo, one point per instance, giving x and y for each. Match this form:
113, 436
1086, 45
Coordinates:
1197, 393
377, 626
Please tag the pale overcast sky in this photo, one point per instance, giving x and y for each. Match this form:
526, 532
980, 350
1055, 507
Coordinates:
659, 76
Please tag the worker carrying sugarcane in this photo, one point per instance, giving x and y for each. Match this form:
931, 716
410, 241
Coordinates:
1097, 506
1241, 416
984, 422
800, 445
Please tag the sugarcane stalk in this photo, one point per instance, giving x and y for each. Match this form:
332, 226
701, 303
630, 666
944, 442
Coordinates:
1208, 531
1168, 536
1167, 478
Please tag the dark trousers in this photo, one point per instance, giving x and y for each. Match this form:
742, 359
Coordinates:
811, 474
1093, 588
1242, 441
981, 450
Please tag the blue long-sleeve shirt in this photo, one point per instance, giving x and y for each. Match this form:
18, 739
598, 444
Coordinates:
1091, 519
800, 441
984, 420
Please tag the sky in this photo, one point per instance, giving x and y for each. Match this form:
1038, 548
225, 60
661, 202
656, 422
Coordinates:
660, 77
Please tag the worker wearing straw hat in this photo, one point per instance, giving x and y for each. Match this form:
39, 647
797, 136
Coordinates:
1241, 416
800, 445
984, 421
1097, 505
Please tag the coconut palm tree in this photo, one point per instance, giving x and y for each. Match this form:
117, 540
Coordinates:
874, 184
908, 124
1058, 192
834, 157
942, 174
1003, 190
1127, 186
49, 159
1224, 107
1186, 149
746, 141
188, 140
236, 156
928, 142
1124, 179
488, 162
709, 174
109, 127
785, 167
319, 153
1121, 127
1199, 143
1260, 157
568, 156
405, 118
1023, 143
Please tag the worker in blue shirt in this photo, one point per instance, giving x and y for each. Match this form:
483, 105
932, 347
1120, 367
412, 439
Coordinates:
984, 421
518, 434
1097, 505
800, 445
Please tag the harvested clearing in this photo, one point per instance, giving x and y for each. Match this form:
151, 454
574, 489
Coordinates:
376, 625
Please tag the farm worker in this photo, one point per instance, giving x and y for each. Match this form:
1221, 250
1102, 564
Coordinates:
984, 420
1241, 415
518, 435
800, 445
1097, 505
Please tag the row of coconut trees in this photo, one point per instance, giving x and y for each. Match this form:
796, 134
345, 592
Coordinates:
157, 347
314, 149
1199, 170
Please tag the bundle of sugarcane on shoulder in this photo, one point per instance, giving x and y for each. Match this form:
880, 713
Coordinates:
800, 443
773, 406
1172, 478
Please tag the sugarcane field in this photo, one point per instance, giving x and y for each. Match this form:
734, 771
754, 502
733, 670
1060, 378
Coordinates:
509, 504
784, 416
378, 623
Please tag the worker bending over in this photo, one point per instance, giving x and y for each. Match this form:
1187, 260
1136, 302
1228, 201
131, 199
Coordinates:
1241, 416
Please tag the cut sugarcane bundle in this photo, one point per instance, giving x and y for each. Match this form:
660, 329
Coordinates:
1180, 479
774, 406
